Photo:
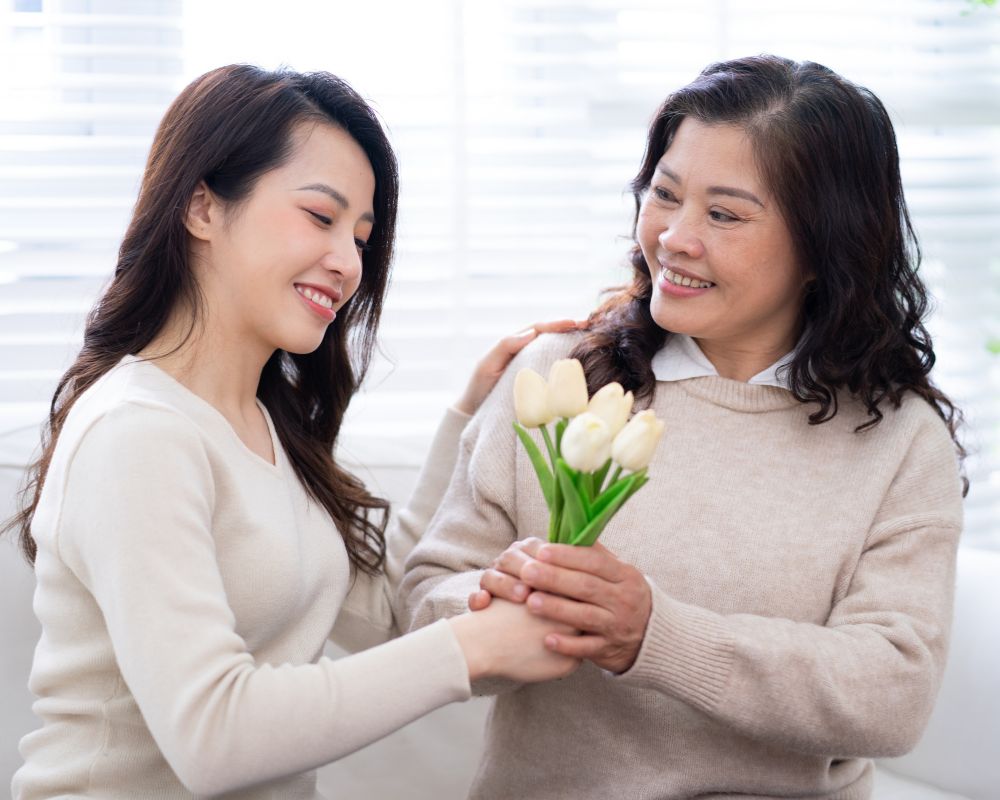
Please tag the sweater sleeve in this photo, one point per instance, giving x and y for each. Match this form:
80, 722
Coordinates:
474, 524
136, 529
864, 683
367, 616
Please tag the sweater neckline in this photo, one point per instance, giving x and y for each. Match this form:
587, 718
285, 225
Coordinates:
210, 414
747, 398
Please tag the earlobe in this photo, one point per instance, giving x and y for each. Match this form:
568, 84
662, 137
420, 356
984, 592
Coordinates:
200, 212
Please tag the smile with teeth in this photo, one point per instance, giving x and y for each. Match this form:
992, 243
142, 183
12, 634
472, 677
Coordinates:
318, 297
680, 280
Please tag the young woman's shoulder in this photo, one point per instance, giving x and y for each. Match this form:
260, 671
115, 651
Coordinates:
125, 414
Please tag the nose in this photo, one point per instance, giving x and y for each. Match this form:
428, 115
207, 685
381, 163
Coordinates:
680, 235
343, 258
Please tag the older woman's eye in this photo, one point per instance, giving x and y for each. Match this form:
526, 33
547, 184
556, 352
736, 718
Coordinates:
722, 216
664, 194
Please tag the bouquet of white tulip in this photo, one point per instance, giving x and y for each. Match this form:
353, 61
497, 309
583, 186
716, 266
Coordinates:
590, 436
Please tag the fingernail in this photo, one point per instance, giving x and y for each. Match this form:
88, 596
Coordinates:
520, 591
535, 602
551, 642
543, 554
525, 332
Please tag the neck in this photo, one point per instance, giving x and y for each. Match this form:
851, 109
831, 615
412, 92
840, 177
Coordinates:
212, 362
741, 361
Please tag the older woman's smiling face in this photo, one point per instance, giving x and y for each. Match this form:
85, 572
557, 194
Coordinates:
719, 253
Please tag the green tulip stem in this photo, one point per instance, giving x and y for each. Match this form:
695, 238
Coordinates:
549, 446
615, 475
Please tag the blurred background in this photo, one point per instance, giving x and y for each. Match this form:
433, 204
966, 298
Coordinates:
518, 126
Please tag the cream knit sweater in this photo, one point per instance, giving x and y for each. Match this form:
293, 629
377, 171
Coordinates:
802, 590
185, 590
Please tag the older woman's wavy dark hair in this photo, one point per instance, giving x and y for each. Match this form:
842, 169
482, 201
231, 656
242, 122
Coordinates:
827, 151
227, 128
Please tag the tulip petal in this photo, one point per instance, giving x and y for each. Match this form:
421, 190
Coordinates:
537, 461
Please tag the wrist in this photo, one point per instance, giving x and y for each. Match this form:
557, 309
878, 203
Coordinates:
468, 630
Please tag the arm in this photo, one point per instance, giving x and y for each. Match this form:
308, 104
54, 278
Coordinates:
476, 519
368, 615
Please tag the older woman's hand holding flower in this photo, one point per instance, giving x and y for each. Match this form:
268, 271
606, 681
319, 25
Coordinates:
587, 588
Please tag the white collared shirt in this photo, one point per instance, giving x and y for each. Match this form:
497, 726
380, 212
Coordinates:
681, 358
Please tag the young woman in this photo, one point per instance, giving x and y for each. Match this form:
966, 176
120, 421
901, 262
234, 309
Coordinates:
772, 611
194, 541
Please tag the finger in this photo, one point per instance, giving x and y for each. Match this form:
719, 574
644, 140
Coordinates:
596, 560
558, 326
581, 616
479, 600
514, 558
570, 583
500, 584
576, 646
510, 346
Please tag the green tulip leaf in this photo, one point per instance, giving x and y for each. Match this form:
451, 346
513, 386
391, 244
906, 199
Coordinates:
623, 491
545, 478
608, 496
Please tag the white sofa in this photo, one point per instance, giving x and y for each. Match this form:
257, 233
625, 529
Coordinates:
957, 759
959, 754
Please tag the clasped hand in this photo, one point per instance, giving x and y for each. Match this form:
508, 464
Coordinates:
586, 588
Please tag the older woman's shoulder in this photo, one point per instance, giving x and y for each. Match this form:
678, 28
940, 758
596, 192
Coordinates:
546, 350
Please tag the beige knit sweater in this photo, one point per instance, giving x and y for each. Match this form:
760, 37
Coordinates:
186, 588
802, 591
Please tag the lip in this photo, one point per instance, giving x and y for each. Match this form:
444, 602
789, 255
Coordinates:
672, 289
683, 272
324, 313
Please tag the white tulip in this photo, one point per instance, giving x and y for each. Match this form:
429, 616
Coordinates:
567, 388
531, 399
586, 444
633, 447
613, 405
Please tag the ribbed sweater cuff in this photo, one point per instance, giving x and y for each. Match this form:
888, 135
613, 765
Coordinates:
687, 652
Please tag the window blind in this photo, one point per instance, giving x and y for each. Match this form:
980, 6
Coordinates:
518, 125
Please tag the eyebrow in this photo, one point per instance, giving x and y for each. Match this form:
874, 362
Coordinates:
729, 191
336, 196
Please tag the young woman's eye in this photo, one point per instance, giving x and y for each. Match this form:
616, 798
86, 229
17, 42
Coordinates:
362, 245
320, 218
722, 216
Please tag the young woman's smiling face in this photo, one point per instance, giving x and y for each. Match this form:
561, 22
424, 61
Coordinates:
719, 253
277, 267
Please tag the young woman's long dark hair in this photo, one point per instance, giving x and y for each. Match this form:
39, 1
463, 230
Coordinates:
228, 128
827, 150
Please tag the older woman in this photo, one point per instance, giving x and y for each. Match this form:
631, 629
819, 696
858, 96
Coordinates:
773, 610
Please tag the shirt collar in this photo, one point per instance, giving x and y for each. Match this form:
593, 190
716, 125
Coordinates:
681, 358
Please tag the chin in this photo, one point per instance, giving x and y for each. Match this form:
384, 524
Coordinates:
301, 345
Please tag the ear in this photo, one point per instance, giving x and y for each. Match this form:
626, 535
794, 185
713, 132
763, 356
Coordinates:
203, 212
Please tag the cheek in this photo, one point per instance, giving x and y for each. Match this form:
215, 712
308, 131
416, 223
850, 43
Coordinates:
648, 228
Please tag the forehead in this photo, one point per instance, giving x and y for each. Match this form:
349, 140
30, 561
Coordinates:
712, 155
328, 154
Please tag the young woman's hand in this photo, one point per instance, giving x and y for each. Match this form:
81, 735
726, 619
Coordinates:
492, 365
506, 641
586, 588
